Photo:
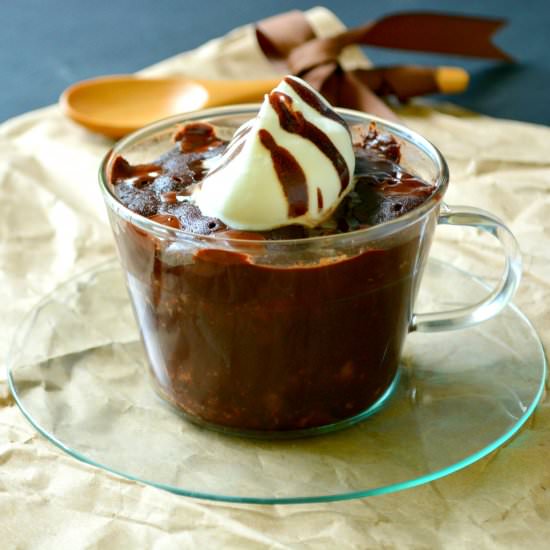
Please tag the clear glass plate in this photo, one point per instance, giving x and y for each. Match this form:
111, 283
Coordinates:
78, 373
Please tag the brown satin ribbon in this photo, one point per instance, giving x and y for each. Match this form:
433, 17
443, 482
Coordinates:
289, 42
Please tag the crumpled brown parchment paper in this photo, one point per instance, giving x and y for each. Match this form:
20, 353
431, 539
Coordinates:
53, 225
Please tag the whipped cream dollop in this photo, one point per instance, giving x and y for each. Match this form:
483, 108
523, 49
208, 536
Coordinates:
292, 164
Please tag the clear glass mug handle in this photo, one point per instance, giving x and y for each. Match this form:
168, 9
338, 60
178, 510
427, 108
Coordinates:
499, 297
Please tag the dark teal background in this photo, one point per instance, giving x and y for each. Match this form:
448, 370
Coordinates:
45, 45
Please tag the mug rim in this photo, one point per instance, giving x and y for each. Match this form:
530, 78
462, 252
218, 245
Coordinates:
369, 233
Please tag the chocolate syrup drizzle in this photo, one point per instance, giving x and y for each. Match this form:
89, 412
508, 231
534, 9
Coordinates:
289, 171
319, 199
290, 175
294, 122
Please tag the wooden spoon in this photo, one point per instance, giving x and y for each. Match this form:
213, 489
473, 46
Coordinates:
117, 105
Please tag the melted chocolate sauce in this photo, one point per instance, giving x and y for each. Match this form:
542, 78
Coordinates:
290, 174
198, 171
385, 144
142, 174
197, 137
169, 197
166, 219
294, 122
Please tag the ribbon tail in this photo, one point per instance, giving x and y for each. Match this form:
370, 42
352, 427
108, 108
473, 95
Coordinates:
406, 81
437, 33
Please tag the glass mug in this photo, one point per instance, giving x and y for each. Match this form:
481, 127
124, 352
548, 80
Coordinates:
289, 337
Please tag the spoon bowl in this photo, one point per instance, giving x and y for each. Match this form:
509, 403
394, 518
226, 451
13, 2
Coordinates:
117, 105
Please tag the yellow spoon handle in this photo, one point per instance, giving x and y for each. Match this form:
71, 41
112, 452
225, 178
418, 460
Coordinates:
223, 92
452, 80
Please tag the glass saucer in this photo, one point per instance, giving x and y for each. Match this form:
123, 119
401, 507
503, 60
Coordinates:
77, 371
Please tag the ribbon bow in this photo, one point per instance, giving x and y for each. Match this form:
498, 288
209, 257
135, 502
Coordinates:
289, 42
